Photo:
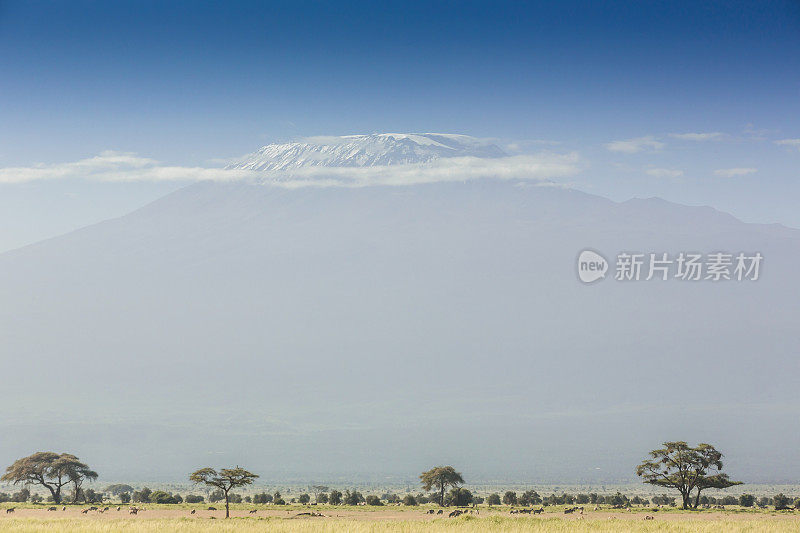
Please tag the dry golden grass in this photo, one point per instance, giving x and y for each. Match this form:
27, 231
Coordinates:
756, 523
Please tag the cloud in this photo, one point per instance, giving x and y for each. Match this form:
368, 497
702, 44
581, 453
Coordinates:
793, 143
664, 172
632, 146
711, 136
733, 172
126, 167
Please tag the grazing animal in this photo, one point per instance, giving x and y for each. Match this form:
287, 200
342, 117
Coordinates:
212, 508
118, 508
439, 511
64, 508
648, 517
52, 509
253, 511
431, 511
10, 510
85, 511
134, 510
92, 508
455, 513
570, 510
192, 511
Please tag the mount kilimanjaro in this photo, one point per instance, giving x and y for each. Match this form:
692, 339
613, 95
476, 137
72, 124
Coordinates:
330, 332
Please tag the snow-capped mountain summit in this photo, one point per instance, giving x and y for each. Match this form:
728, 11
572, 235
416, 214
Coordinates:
378, 149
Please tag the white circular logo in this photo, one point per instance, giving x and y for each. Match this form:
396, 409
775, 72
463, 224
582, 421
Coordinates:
591, 266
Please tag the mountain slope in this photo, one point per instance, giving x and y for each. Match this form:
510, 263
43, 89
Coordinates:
395, 327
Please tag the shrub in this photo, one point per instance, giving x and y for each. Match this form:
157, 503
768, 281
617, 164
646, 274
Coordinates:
530, 497
335, 497
194, 498
510, 498
353, 498
373, 500
409, 500
161, 496
459, 497
304, 498
142, 496
493, 499
780, 501
21, 496
262, 498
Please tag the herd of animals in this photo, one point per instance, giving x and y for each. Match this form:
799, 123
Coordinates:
453, 514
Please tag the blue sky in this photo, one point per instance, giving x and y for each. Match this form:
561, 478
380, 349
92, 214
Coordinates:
194, 83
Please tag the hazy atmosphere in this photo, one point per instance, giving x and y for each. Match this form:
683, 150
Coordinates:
342, 242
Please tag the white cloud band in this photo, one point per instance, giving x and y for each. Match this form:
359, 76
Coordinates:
125, 167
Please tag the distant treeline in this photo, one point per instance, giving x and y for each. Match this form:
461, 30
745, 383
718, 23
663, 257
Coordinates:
458, 496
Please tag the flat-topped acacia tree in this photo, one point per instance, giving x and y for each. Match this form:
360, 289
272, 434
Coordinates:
50, 470
441, 477
685, 468
225, 480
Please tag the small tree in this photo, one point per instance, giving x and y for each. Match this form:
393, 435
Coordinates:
225, 480
460, 497
781, 502
680, 466
493, 499
510, 498
374, 500
51, 470
318, 490
304, 498
409, 500
335, 497
441, 477
21, 496
352, 497
142, 496
119, 488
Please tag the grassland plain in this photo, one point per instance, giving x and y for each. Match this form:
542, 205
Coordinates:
158, 518
766, 524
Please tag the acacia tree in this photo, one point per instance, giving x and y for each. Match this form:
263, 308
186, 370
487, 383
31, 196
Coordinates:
225, 480
441, 477
686, 469
77, 472
50, 470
